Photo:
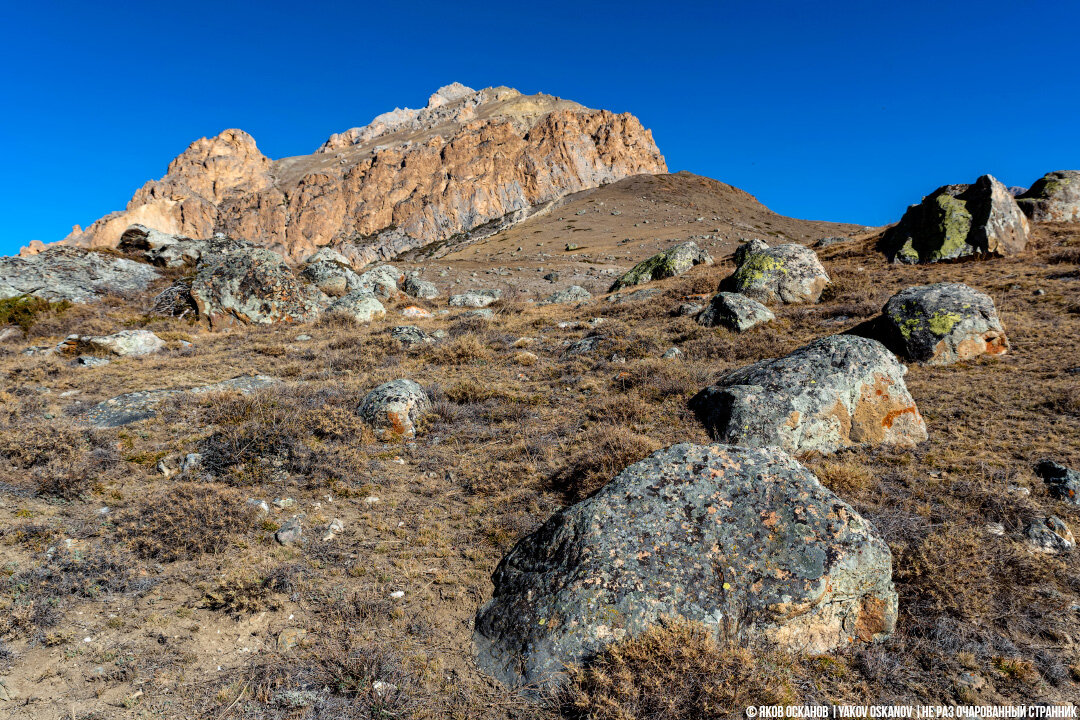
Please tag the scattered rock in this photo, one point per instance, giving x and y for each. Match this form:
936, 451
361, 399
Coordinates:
1050, 535
290, 638
413, 311
303, 337
331, 273
584, 346
381, 281
688, 309
673, 354
162, 249
395, 407
475, 298
134, 406
734, 311
572, 294
361, 306
253, 285
289, 532
782, 274
258, 506
941, 324
836, 392
332, 529
830, 241
957, 221
744, 540
90, 361
1055, 197
552, 277
1063, 482
123, 343
671, 262
418, 288
72, 274
482, 313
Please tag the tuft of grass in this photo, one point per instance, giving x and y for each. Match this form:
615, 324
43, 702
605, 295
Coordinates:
598, 456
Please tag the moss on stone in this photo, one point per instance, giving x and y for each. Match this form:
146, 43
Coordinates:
942, 322
954, 226
756, 266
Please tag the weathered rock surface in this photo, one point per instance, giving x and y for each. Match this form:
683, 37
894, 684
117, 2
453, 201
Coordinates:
1050, 535
415, 286
781, 274
361, 306
1063, 482
123, 343
941, 324
1055, 197
957, 221
330, 272
671, 262
572, 294
394, 408
253, 285
411, 336
140, 405
734, 311
63, 273
382, 281
475, 298
836, 392
744, 540
408, 179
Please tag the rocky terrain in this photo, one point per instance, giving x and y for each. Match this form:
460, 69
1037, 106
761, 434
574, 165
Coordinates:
645, 450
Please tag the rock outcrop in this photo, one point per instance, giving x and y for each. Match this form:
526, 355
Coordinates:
394, 408
74, 275
671, 262
734, 311
746, 541
142, 404
408, 179
958, 221
1055, 197
836, 392
941, 324
782, 274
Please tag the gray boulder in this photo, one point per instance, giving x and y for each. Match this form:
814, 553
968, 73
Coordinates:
475, 298
836, 392
734, 311
381, 281
1063, 482
411, 336
941, 324
394, 408
252, 285
1050, 535
782, 274
744, 540
123, 343
572, 294
140, 405
329, 271
1055, 197
671, 262
360, 305
66, 273
957, 221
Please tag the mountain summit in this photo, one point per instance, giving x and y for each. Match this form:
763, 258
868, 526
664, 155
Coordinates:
407, 179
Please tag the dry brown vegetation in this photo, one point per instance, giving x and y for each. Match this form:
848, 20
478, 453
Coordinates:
175, 580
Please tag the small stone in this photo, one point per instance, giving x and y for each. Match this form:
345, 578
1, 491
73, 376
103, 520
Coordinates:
397, 594
735, 312
290, 638
289, 533
284, 503
1063, 482
395, 407
1050, 535
303, 338
673, 354
259, 506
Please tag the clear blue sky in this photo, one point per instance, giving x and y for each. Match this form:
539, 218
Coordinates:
826, 110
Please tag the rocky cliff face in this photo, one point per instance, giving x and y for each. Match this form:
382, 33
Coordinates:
407, 179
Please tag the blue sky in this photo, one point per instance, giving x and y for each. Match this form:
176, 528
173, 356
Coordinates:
837, 111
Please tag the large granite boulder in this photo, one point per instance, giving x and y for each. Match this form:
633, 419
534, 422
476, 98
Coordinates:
330, 271
65, 273
252, 285
836, 392
958, 221
744, 540
394, 408
569, 295
1055, 197
781, 274
415, 286
734, 311
381, 281
941, 324
475, 298
671, 262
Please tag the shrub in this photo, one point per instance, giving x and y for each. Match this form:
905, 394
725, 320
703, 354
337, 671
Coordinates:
25, 310
188, 520
60, 459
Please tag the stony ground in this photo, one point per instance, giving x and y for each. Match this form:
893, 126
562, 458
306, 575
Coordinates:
128, 593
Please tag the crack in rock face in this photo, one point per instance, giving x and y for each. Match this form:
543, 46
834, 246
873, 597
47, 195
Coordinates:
744, 540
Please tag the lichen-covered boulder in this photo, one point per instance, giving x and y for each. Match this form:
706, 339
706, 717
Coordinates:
782, 274
252, 285
734, 311
744, 540
381, 281
1062, 482
175, 251
411, 336
941, 324
475, 298
62, 273
361, 306
836, 392
394, 408
572, 294
957, 221
1055, 197
123, 343
671, 262
416, 287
